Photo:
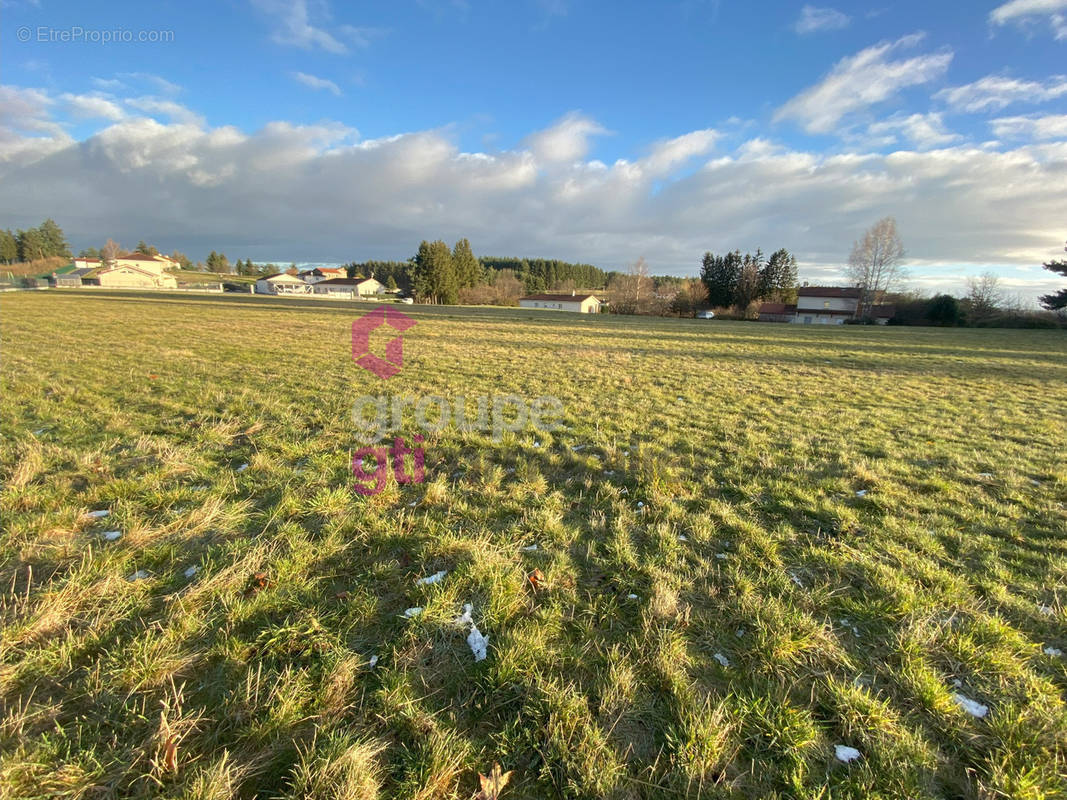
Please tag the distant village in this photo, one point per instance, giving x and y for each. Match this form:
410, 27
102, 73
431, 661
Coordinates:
818, 305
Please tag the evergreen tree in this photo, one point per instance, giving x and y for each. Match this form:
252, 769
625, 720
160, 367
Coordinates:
945, 310
1057, 301
391, 284
146, 250
433, 274
778, 279
468, 270
53, 240
720, 275
9, 247
30, 244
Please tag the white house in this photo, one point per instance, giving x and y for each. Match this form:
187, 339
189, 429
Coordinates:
281, 283
349, 287
823, 305
322, 274
576, 303
826, 305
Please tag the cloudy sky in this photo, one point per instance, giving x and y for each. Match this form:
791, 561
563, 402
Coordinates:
317, 131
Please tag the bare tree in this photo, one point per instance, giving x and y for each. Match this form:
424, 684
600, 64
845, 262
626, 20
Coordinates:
874, 265
984, 296
109, 252
639, 273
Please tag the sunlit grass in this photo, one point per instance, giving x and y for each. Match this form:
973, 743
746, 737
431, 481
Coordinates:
757, 542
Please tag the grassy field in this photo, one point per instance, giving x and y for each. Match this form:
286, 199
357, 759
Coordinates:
755, 543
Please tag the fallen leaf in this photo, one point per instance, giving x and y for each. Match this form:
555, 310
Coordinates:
494, 783
170, 754
536, 578
342, 595
257, 583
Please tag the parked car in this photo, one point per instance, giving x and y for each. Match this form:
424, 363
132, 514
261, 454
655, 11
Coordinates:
705, 315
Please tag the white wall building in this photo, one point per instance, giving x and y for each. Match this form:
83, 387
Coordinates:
575, 303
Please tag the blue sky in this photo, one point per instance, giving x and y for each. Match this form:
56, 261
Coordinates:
595, 131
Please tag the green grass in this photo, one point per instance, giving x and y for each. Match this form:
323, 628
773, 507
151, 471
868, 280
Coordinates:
844, 619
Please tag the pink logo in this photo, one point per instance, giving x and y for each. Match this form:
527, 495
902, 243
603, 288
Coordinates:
394, 351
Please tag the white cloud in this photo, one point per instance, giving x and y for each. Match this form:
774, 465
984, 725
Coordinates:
1024, 12
994, 92
295, 29
168, 108
860, 81
88, 106
1032, 128
813, 20
566, 140
298, 192
317, 83
923, 130
27, 130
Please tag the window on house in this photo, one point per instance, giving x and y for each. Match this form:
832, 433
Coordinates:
825, 303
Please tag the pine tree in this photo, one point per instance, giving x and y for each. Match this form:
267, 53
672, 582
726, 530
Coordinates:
720, 275
54, 242
9, 247
1057, 301
467, 268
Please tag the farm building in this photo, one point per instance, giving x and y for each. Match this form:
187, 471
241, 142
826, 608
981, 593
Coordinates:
576, 303
823, 305
349, 287
322, 274
282, 283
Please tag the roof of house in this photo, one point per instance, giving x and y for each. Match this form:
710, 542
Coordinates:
828, 291
136, 257
560, 298
325, 270
777, 308
279, 275
343, 281
87, 260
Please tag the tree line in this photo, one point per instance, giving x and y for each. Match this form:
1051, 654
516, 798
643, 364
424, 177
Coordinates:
737, 281
44, 241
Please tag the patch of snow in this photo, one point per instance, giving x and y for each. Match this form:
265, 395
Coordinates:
796, 580
682, 537
465, 617
721, 556
530, 548
722, 659
631, 596
478, 643
640, 504
985, 474
112, 536
1053, 651
411, 504
1034, 483
242, 468
846, 754
1046, 610
372, 662
191, 571
861, 493
413, 612
972, 707
98, 514
437, 577
139, 575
